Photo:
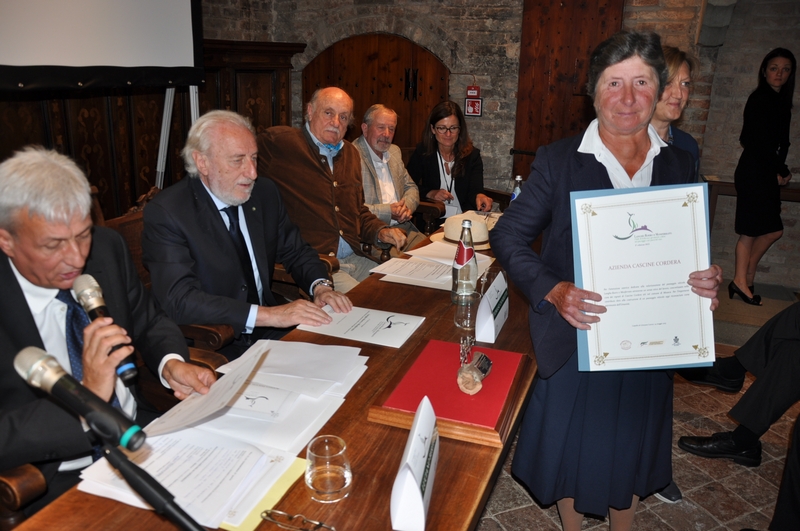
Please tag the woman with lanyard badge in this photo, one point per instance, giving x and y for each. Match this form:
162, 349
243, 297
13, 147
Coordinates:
446, 166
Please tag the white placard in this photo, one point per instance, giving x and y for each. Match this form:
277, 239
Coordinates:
493, 310
411, 492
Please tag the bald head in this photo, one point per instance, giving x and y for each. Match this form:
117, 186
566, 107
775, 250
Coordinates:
329, 113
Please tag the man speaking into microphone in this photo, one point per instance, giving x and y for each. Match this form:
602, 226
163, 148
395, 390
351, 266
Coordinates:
47, 240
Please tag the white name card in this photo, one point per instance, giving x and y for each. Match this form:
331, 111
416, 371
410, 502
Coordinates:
493, 310
411, 492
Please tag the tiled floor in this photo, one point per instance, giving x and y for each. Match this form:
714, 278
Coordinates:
718, 495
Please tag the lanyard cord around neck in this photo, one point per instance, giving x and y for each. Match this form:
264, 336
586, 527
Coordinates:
442, 162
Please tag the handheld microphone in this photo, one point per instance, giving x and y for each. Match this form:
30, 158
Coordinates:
42, 371
91, 298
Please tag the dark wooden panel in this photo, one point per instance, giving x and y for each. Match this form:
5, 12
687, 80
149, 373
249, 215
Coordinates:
557, 40
114, 135
255, 98
22, 123
89, 141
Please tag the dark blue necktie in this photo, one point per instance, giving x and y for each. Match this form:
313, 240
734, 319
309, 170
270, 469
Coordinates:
241, 249
77, 320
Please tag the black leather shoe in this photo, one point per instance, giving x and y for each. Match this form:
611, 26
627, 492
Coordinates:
710, 376
721, 446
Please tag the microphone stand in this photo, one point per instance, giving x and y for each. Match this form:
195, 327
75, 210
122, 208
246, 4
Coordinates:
151, 490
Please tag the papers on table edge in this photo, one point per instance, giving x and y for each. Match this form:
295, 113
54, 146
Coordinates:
260, 450
416, 271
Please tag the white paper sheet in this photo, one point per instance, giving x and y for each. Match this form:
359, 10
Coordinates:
414, 269
205, 472
197, 407
444, 253
370, 326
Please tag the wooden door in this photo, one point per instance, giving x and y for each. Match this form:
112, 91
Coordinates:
382, 68
557, 39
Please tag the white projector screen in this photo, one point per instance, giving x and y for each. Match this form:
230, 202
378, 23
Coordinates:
74, 44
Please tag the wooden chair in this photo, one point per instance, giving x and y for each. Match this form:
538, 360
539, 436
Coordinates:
501, 198
427, 214
18, 487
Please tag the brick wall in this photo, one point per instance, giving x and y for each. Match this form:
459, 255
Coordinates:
482, 37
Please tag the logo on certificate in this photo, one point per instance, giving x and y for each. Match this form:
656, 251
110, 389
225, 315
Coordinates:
625, 345
634, 228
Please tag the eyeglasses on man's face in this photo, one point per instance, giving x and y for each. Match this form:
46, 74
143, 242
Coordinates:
453, 129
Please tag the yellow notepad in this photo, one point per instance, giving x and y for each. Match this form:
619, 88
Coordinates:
272, 497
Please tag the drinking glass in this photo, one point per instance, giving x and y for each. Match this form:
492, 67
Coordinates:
328, 474
466, 311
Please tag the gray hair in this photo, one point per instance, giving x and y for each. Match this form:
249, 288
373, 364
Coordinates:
199, 139
45, 182
622, 46
375, 109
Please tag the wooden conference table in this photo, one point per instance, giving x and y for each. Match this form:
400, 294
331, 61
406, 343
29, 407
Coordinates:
466, 472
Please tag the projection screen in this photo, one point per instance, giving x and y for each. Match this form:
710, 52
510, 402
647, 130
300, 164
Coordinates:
75, 44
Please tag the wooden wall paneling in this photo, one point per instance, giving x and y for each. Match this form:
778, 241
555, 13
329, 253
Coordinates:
433, 87
113, 135
22, 122
255, 98
147, 111
557, 39
89, 143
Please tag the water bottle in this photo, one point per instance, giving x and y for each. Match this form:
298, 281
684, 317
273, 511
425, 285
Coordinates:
517, 187
465, 266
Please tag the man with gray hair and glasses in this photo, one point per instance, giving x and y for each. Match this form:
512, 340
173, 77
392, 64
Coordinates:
47, 240
212, 240
389, 191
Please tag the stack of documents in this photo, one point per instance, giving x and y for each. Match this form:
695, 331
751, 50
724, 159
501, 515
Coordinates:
430, 266
219, 454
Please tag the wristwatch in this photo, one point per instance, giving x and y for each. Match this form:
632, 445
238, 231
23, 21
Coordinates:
323, 282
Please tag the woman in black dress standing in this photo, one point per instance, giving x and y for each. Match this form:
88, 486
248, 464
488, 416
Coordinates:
762, 168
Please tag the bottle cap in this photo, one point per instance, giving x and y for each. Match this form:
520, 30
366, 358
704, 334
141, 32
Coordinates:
467, 224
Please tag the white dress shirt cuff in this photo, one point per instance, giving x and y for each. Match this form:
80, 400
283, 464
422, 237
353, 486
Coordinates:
164, 361
251, 319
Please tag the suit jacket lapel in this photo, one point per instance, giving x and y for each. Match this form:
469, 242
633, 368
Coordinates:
14, 308
209, 220
363, 148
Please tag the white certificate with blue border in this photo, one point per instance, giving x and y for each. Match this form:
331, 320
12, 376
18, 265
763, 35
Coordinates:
636, 248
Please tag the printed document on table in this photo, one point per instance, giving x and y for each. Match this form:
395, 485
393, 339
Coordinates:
389, 329
206, 473
636, 248
414, 269
435, 252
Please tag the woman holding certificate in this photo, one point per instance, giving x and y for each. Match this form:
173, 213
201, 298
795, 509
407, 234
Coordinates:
762, 168
593, 442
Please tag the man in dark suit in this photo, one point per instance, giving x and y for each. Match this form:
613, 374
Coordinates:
47, 241
772, 355
211, 241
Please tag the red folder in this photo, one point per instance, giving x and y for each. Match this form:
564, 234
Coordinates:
478, 418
